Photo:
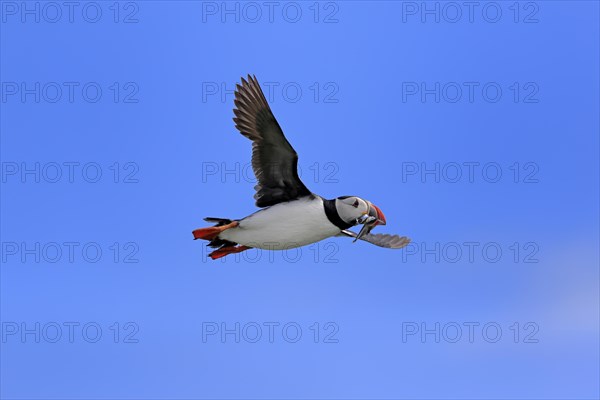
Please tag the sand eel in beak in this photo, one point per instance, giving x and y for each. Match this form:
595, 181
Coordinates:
291, 215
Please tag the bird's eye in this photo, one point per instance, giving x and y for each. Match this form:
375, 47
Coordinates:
355, 205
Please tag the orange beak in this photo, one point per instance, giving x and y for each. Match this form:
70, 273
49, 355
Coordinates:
375, 215
380, 216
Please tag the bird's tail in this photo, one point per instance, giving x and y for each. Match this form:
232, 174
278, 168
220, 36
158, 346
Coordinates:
211, 232
224, 247
219, 221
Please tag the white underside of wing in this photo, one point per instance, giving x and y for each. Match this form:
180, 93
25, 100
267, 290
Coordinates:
381, 239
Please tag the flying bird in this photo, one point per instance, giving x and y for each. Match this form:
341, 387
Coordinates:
291, 215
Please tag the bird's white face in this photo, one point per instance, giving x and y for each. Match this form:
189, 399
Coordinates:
354, 210
351, 208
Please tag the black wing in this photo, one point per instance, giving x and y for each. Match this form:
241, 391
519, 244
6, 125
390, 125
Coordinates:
380, 239
274, 161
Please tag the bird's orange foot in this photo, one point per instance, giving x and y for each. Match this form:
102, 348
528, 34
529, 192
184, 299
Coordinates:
212, 232
222, 252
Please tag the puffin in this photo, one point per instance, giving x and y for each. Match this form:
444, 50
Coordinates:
290, 215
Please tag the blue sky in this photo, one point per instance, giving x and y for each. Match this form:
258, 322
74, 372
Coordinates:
475, 130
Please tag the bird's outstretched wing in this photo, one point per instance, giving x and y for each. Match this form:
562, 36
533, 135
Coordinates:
274, 160
380, 239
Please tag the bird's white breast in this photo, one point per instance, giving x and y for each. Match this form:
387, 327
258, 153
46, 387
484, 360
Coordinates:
284, 226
